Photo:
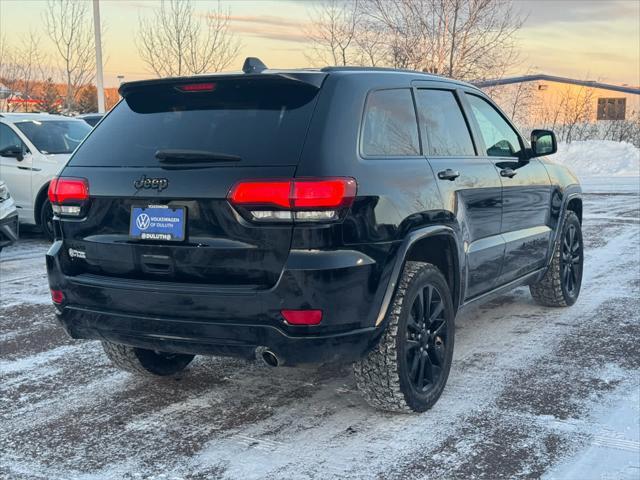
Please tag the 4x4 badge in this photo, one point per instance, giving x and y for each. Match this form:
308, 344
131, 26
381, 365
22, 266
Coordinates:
155, 183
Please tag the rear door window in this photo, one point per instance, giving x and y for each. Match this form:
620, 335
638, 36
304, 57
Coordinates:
499, 138
263, 122
443, 125
390, 124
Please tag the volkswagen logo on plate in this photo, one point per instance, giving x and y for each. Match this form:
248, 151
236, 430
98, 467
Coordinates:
143, 221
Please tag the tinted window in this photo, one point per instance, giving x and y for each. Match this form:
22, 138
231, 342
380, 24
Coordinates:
54, 136
443, 125
390, 125
263, 122
499, 138
8, 138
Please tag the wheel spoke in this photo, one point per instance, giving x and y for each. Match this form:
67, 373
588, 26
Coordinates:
572, 232
428, 370
412, 324
414, 366
437, 329
436, 355
427, 303
411, 344
419, 307
420, 379
436, 312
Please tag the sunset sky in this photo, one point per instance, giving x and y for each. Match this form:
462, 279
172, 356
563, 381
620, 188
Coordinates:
596, 40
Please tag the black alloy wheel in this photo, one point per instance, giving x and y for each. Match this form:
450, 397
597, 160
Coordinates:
426, 339
571, 261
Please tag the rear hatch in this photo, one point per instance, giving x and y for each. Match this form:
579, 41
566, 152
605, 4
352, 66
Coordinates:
167, 156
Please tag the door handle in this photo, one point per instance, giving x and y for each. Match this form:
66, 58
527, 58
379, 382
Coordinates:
448, 174
508, 172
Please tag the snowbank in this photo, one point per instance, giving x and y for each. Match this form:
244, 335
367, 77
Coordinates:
592, 158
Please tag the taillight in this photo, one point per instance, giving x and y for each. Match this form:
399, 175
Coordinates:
68, 195
57, 296
302, 200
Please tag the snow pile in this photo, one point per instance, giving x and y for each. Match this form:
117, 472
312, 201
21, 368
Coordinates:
591, 158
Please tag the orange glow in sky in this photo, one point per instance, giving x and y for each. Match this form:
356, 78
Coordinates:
595, 40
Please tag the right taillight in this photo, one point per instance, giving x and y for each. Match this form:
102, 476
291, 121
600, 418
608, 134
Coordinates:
302, 200
68, 195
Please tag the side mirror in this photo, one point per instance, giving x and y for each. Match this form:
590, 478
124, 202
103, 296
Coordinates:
543, 142
13, 151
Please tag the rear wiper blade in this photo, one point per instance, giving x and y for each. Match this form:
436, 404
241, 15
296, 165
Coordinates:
194, 156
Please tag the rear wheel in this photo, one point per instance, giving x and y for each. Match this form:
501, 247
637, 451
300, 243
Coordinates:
146, 362
46, 219
408, 369
561, 284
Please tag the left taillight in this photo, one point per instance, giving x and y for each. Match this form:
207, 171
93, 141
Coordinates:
68, 195
300, 200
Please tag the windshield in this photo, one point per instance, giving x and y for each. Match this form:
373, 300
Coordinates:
54, 136
255, 122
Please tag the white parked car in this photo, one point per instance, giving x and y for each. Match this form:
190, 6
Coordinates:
33, 149
8, 217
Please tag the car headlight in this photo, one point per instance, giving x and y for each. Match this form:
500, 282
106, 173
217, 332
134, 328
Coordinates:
4, 192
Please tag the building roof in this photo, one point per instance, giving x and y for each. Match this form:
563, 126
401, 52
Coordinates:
551, 78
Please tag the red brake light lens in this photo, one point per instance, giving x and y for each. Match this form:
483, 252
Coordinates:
197, 87
63, 190
296, 194
261, 193
302, 317
57, 296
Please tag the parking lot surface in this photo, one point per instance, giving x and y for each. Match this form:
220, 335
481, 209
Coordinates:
533, 392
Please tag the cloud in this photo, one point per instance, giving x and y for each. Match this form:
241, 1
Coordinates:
270, 27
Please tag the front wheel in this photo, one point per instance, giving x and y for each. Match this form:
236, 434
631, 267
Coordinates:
408, 368
561, 284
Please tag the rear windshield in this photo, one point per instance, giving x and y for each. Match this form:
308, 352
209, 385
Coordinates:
54, 137
263, 122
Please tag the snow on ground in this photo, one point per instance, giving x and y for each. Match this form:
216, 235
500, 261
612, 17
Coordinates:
591, 158
534, 391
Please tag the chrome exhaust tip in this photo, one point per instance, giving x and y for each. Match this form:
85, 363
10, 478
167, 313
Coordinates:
268, 357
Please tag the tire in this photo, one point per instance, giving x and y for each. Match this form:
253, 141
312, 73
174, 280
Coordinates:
389, 376
46, 220
560, 286
146, 362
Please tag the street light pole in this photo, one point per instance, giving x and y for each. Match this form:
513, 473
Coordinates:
98, 44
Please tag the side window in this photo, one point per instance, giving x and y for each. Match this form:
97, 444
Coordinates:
8, 138
443, 124
500, 139
390, 124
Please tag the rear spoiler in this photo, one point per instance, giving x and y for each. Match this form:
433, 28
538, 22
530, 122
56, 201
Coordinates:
308, 77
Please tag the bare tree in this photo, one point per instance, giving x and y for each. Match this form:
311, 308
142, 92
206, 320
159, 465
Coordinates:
333, 32
22, 68
175, 41
468, 39
69, 27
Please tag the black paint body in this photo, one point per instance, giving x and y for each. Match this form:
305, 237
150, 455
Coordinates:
221, 291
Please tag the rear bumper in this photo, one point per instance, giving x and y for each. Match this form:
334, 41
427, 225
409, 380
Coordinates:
9, 230
201, 319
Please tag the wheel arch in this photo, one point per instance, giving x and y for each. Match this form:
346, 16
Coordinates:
40, 198
427, 245
575, 205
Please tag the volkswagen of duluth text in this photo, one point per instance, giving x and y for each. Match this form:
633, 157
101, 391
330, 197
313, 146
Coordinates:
157, 222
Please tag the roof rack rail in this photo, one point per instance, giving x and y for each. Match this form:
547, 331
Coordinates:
253, 65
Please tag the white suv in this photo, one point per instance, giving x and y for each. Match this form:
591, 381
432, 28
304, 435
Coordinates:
33, 149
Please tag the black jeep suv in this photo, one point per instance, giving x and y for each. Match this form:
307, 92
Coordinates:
307, 216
